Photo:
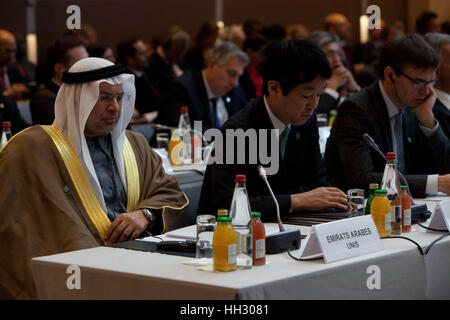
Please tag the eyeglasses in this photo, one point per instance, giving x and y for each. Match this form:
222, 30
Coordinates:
106, 98
419, 84
333, 53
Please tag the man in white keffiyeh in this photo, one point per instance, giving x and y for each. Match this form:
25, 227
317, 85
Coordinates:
82, 182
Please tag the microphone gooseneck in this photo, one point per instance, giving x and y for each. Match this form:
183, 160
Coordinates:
263, 175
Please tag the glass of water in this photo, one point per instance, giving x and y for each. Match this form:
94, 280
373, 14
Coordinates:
206, 224
162, 141
356, 198
322, 120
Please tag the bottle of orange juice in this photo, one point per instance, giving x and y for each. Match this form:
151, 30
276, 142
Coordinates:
176, 149
380, 209
224, 245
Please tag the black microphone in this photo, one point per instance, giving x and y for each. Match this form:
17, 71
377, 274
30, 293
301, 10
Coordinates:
372, 143
285, 239
419, 212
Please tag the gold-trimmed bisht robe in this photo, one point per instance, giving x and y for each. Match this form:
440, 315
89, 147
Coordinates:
41, 212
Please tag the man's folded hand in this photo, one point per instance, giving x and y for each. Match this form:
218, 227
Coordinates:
127, 226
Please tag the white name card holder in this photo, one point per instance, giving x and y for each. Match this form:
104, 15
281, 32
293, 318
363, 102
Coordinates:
440, 218
343, 239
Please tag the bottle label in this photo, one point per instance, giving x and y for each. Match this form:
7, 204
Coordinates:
387, 222
407, 217
396, 214
232, 253
260, 248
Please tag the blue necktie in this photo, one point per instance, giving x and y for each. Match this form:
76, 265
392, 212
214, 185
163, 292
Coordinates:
284, 138
215, 119
398, 131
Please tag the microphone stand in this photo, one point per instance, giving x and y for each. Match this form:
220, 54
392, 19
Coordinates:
284, 240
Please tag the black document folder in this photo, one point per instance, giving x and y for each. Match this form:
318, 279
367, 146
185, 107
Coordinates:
153, 247
310, 218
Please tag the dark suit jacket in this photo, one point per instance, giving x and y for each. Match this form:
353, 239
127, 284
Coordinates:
302, 169
159, 72
351, 163
189, 90
148, 98
42, 104
10, 112
327, 103
15, 76
442, 114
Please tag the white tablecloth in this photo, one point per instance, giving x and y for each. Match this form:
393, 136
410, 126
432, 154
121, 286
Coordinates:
111, 273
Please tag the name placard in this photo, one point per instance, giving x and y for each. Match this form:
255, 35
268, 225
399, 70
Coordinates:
440, 218
343, 239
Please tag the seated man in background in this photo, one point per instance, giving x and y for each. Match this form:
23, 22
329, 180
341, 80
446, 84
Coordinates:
11, 81
83, 182
441, 43
338, 24
295, 74
341, 83
132, 55
10, 112
164, 63
60, 57
397, 112
212, 94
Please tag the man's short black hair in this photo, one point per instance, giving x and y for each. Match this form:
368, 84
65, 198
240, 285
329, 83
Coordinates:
96, 50
58, 51
423, 21
126, 49
407, 50
291, 62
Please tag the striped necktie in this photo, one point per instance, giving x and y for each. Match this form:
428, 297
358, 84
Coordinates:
215, 117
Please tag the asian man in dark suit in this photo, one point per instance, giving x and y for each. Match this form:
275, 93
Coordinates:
397, 113
295, 73
212, 94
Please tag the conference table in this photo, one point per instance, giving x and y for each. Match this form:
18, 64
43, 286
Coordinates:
116, 273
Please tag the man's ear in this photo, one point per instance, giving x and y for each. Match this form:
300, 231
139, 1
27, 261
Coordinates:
388, 74
211, 63
274, 88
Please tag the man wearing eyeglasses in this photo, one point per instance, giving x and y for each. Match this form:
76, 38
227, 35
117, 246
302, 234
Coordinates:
397, 112
341, 83
82, 182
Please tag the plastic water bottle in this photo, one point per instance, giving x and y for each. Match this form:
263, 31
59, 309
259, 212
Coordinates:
391, 183
184, 129
241, 214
